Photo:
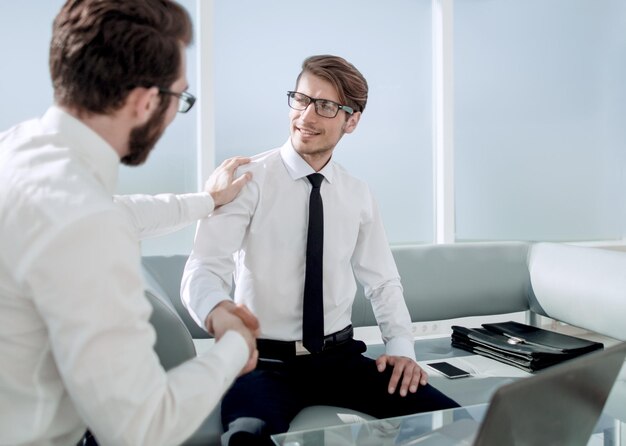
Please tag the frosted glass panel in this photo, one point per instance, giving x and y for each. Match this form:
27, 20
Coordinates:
25, 86
26, 91
172, 165
540, 102
259, 48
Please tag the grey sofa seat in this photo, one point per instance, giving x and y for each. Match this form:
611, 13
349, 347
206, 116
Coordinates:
585, 287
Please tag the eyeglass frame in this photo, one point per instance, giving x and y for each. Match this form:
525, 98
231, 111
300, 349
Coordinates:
314, 101
185, 99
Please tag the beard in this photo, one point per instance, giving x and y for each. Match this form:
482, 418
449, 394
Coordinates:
143, 138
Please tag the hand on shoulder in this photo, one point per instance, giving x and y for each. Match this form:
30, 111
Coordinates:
222, 185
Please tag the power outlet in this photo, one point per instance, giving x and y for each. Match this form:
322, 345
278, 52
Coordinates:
426, 328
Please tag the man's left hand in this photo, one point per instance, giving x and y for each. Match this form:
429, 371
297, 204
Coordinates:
406, 372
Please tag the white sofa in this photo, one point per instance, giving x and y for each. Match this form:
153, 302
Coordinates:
582, 287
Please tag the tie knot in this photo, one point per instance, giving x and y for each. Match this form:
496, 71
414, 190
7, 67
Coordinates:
316, 179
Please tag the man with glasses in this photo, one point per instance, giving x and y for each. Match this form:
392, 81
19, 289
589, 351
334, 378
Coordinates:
185, 99
295, 238
76, 345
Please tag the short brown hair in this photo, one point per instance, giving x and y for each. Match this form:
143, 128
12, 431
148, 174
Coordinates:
102, 49
347, 80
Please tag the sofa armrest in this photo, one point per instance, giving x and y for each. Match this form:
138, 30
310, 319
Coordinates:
173, 342
581, 286
162, 275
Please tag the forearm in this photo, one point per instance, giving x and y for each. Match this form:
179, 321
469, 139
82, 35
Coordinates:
192, 391
375, 268
156, 215
171, 409
208, 275
201, 288
394, 320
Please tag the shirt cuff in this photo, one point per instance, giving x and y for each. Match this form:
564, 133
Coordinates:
400, 347
199, 204
201, 311
233, 350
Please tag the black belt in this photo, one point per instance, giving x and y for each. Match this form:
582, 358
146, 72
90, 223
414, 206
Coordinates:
269, 348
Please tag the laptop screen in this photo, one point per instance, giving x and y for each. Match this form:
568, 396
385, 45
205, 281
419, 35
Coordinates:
559, 405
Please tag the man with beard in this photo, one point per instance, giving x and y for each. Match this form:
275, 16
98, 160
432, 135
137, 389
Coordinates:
75, 340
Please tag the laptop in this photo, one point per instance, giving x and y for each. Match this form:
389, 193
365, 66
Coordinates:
560, 405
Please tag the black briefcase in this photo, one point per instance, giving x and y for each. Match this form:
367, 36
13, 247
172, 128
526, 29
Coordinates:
523, 346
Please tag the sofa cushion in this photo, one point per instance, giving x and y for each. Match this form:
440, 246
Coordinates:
457, 280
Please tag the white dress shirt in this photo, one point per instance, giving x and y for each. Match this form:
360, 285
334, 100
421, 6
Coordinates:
262, 240
76, 347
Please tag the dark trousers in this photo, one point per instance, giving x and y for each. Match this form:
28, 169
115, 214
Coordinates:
276, 391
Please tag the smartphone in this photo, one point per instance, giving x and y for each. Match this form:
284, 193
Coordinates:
448, 370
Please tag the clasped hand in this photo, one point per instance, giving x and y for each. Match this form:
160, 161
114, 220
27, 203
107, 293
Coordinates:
230, 316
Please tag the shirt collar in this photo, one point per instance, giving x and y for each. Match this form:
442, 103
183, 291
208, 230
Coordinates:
99, 156
299, 168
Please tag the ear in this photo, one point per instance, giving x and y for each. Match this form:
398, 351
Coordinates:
352, 122
141, 103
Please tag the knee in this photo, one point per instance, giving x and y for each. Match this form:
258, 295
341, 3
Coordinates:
246, 431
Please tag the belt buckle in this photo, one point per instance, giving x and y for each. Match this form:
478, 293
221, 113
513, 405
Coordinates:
301, 349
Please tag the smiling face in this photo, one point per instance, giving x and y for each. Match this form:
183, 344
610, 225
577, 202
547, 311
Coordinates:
314, 137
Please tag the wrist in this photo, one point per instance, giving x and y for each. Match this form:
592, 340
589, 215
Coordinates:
208, 322
216, 197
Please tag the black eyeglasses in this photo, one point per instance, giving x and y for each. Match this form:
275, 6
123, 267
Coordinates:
323, 107
185, 100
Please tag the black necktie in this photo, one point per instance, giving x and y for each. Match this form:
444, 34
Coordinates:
313, 306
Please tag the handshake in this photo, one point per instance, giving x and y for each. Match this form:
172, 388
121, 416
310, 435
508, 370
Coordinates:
228, 315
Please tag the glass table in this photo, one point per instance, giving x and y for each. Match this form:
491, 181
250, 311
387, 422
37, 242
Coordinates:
446, 427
